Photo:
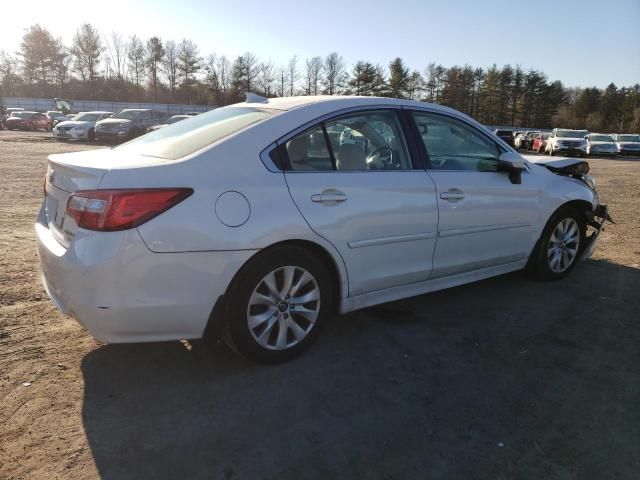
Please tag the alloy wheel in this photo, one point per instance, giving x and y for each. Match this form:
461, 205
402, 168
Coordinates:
283, 308
563, 245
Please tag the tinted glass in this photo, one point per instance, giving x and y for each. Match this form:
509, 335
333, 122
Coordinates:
453, 145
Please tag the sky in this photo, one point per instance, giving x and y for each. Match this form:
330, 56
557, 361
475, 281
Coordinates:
581, 43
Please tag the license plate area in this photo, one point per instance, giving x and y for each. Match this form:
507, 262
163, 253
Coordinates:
55, 208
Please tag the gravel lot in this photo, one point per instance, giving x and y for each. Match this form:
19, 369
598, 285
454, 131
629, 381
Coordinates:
507, 378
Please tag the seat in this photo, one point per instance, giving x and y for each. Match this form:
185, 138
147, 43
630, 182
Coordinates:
351, 157
297, 150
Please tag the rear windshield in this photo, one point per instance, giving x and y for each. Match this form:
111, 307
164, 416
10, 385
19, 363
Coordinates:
185, 137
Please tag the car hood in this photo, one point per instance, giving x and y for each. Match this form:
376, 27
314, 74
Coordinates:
629, 144
570, 139
114, 121
602, 143
562, 166
74, 123
17, 119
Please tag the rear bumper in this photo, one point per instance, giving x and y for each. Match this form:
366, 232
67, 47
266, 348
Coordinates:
121, 292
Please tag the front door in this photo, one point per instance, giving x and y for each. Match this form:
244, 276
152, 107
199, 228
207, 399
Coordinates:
354, 182
485, 220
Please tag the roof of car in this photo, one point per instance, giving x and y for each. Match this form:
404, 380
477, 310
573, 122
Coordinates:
340, 101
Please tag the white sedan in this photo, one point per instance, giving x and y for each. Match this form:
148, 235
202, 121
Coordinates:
82, 127
265, 218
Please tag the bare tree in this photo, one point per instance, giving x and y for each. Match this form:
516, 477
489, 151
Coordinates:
334, 69
136, 55
9, 73
266, 78
293, 74
117, 54
282, 80
313, 74
86, 50
224, 77
170, 65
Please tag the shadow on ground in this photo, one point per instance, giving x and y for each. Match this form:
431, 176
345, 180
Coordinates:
505, 378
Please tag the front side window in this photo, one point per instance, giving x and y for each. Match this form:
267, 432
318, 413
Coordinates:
453, 145
361, 141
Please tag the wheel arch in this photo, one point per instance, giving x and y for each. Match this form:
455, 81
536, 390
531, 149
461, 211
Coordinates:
581, 205
335, 267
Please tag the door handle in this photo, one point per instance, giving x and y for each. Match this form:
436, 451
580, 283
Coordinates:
329, 196
452, 194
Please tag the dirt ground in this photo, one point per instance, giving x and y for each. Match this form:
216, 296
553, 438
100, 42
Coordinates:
508, 378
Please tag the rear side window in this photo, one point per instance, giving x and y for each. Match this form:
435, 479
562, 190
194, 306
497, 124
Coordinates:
192, 134
308, 151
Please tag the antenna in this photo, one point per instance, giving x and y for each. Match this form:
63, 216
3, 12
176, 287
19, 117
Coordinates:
255, 98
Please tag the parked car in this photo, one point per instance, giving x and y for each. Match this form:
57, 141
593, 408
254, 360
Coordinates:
55, 117
505, 135
24, 120
627, 144
601, 144
517, 139
527, 141
82, 127
128, 124
540, 142
563, 140
170, 120
238, 217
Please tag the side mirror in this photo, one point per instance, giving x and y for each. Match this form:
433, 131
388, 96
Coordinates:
513, 164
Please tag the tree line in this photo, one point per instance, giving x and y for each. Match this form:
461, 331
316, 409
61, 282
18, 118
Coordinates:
110, 67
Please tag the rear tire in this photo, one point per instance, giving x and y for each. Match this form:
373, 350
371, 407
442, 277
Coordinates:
560, 245
277, 304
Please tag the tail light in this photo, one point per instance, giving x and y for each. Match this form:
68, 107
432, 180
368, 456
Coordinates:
111, 210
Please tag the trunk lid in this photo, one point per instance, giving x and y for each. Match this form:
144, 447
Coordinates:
70, 172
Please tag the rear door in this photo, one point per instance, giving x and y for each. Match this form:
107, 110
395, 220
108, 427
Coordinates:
354, 181
485, 220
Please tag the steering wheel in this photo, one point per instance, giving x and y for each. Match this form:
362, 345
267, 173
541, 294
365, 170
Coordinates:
384, 160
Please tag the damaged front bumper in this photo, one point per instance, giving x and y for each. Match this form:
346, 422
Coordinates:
595, 219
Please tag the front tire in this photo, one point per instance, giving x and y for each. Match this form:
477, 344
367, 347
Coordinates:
277, 304
560, 245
